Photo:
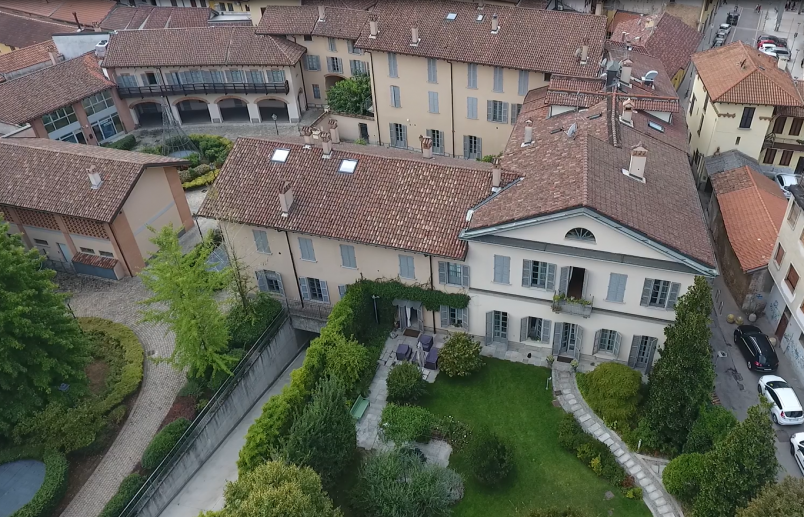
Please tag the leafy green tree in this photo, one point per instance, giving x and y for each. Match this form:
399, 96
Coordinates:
324, 436
41, 345
739, 467
682, 379
777, 500
460, 356
712, 426
405, 383
682, 476
183, 298
352, 96
275, 489
491, 458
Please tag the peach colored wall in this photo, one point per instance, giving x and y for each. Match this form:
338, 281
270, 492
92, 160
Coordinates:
127, 244
151, 203
39, 128
84, 121
179, 198
118, 253
123, 112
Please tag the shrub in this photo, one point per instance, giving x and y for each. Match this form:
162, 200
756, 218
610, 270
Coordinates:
131, 374
194, 387
62, 428
405, 383
557, 512
52, 490
682, 476
452, 431
347, 360
351, 96
634, 493
777, 500
191, 173
128, 489
324, 436
491, 459
570, 433
460, 356
361, 141
402, 424
612, 391
163, 443
213, 148
117, 415
126, 143
593, 453
247, 324
712, 426
400, 484
202, 181
150, 149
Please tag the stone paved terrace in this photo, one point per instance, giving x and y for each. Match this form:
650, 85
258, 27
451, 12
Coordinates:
660, 503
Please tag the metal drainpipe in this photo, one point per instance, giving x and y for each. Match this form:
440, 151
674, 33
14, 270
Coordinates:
452, 113
432, 285
374, 95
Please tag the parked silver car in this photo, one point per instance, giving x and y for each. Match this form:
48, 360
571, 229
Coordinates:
785, 181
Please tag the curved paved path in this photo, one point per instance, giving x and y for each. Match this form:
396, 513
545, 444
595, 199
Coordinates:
118, 301
660, 503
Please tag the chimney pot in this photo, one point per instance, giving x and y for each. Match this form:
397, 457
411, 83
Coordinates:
495, 24
528, 133
599, 8
496, 174
307, 133
414, 37
95, 180
639, 156
285, 198
333, 131
326, 144
585, 51
427, 146
628, 111
373, 28
322, 14
625, 71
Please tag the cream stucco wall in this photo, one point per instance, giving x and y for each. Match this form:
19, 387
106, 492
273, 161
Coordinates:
53, 239
97, 245
150, 204
319, 46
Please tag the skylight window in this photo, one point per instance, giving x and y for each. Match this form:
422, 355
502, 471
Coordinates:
348, 166
479, 18
452, 16
280, 155
654, 125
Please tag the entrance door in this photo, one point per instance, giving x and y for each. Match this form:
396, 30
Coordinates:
364, 134
780, 329
65, 251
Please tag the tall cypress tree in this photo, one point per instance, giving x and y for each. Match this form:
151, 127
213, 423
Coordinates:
683, 378
41, 345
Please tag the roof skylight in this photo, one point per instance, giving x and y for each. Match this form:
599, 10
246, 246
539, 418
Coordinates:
654, 125
280, 155
348, 166
479, 18
451, 16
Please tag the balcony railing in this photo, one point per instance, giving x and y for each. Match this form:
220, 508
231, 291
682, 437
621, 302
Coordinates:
201, 88
777, 142
574, 306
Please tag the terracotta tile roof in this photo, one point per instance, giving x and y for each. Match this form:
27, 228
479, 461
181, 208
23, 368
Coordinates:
533, 4
51, 176
348, 4
338, 22
674, 132
395, 200
740, 74
218, 46
753, 208
550, 38
25, 57
22, 31
29, 97
148, 17
561, 173
669, 39
95, 260
618, 18
88, 11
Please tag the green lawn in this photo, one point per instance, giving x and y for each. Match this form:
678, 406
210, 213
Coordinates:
511, 399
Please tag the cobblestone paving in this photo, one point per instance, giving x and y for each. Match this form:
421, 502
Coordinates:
117, 301
660, 503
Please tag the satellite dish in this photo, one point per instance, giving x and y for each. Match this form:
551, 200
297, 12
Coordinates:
650, 76
572, 130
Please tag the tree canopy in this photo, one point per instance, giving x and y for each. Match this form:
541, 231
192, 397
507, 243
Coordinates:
777, 500
352, 96
41, 345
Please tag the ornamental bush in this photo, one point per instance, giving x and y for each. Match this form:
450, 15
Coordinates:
592, 452
491, 459
612, 391
53, 486
460, 356
777, 500
63, 428
711, 427
163, 443
405, 383
202, 180
347, 361
247, 324
128, 489
682, 476
401, 424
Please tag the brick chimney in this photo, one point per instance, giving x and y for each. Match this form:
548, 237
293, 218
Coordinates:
326, 144
427, 146
625, 71
322, 13
373, 29
414, 37
496, 174
528, 133
333, 131
95, 180
285, 198
495, 23
599, 8
639, 157
53, 53
307, 133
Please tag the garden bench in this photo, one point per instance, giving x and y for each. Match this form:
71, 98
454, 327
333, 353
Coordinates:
359, 407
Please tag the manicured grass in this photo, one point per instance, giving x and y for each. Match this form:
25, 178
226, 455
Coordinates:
511, 399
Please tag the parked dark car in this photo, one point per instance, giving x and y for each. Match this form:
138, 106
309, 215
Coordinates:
756, 349
732, 18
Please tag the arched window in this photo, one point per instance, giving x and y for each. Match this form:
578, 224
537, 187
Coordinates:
581, 234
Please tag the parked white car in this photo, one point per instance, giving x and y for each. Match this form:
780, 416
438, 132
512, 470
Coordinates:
785, 181
797, 449
786, 409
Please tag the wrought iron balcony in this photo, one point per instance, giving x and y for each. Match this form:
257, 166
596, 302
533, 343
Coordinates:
777, 142
574, 306
159, 90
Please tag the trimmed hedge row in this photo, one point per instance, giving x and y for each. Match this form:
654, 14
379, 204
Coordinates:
126, 143
54, 485
163, 443
128, 489
131, 375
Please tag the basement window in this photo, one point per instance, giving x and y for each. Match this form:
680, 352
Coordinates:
654, 125
451, 16
280, 155
348, 166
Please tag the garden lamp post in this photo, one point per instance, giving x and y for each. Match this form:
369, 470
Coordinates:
276, 126
376, 317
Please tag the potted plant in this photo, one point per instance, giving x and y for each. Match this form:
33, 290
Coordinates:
550, 360
574, 365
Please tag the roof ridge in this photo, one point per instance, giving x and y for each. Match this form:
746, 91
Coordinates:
31, 143
40, 20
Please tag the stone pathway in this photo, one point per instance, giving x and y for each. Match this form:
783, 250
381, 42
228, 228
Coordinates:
660, 503
117, 301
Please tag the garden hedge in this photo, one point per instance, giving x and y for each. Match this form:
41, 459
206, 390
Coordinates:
126, 143
53, 486
612, 391
163, 443
595, 454
245, 327
202, 181
131, 376
128, 489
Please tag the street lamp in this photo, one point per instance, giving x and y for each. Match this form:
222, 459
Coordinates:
275, 124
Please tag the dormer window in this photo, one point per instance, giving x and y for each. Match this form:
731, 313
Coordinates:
581, 234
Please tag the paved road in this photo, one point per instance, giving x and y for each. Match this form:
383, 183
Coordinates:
736, 386
204, 491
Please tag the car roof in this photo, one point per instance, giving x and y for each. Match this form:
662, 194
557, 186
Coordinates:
787, 179
788, 399
771, 378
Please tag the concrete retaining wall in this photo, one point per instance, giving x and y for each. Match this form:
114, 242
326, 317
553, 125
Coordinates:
216, 425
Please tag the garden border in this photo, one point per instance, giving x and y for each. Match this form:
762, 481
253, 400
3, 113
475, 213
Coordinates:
656, 498
52, 460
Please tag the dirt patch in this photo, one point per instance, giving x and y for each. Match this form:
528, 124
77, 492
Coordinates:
96, 372
689, 14
183, 407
